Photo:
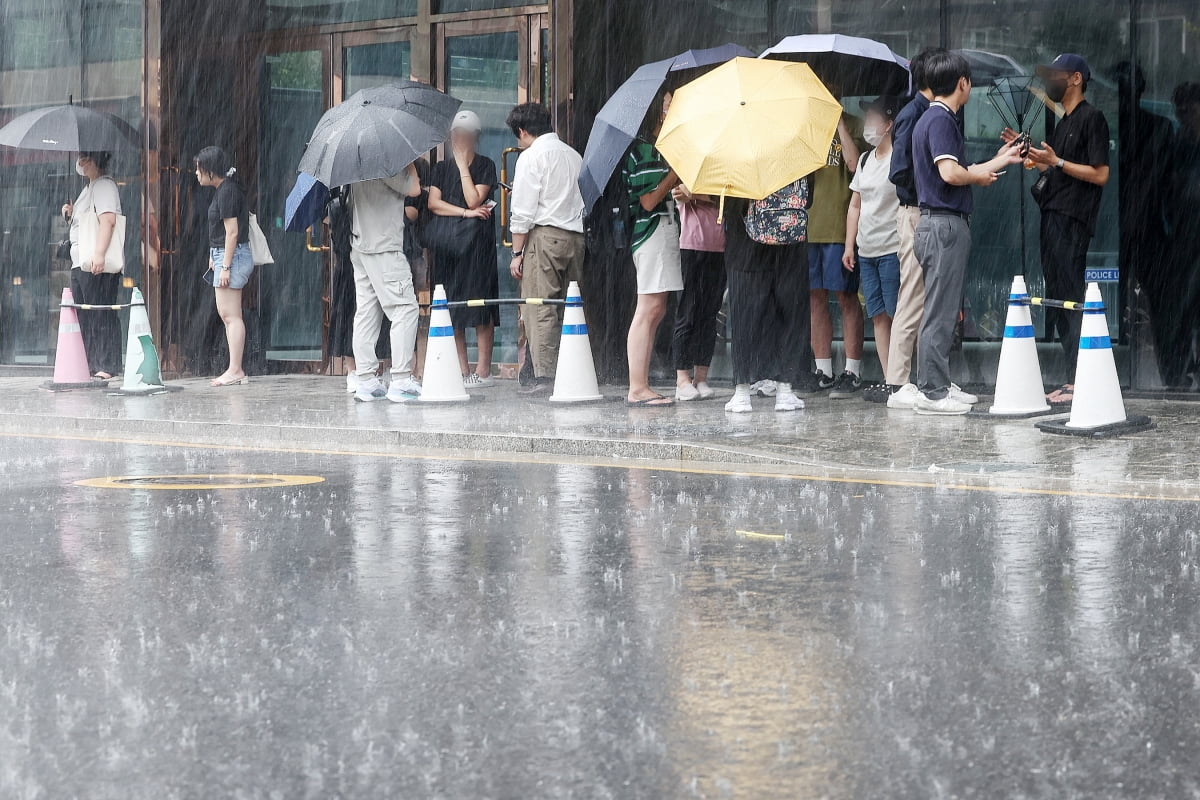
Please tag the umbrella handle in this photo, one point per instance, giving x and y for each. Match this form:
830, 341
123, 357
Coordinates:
721, 207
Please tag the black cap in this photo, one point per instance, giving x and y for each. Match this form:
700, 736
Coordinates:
886, 104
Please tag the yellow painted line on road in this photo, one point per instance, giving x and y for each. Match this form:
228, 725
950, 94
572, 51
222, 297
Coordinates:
199, 482
548, 459
757, 535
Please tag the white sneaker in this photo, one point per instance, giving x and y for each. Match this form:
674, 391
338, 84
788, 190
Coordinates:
351, 382
404, 391
788, 401
739, 404
474, 381
961, 396
904, 398
686, 392
706, 391
764, 388
947, 406
370, 390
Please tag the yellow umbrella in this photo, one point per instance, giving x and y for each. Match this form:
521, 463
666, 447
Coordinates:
749, 127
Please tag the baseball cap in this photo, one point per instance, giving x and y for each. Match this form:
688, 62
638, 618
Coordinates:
885, 104
1068, 63
466, 121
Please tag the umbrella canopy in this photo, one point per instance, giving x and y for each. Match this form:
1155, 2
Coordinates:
617, 123
853, 66
378, 132
68, 128
749, 128
305, 203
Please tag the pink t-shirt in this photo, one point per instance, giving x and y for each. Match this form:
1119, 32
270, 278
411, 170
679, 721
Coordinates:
698, 228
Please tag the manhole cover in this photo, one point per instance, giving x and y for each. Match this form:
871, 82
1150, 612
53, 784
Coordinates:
178, 482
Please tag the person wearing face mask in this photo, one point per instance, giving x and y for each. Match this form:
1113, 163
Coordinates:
872, 238
90, 284
1074, 168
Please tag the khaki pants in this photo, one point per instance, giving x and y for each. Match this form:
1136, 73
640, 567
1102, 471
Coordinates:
383, 285
553, 258
910, 304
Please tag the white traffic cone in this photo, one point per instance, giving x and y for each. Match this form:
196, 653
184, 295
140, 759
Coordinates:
143, 374
575, 378
443, 382
1019, 390
1097, 408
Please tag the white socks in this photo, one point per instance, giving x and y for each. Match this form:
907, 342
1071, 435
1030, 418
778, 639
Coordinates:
782, 388
741, 390
854, 365
825, 365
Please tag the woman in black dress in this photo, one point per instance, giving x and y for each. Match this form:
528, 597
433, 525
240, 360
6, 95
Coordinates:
462, 240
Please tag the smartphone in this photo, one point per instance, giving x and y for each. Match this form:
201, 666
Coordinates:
489, 205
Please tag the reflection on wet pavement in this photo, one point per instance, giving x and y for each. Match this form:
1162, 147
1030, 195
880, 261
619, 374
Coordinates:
414, 629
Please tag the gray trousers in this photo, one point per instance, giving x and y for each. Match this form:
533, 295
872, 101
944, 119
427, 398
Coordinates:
943, 246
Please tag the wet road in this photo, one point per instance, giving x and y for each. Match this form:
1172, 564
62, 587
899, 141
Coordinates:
414, 628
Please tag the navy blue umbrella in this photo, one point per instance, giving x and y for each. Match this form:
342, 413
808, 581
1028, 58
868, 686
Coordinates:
618, 122
305, 203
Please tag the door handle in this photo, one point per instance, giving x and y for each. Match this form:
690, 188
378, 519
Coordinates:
308, 242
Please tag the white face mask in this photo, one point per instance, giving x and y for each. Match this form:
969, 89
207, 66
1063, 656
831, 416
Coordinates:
80, 170
873, 135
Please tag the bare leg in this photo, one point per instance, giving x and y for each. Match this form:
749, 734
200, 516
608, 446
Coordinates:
485, 336
229, 307
683, 377
460, 341
852, 324
649, 313
883, 339
822, 323
702, 374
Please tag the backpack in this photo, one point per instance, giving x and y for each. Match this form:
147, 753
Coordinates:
781, 217
609, 226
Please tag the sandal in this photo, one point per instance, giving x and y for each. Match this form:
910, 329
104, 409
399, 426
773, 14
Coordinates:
218, 382
103, 376
1062, 396
657, 401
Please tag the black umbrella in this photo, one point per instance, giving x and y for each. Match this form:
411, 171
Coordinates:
68, 128
378, 132
850, 65
617, 123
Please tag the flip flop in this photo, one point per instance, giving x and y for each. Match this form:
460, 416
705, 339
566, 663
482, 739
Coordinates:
242, 381
1065, 396
651, 402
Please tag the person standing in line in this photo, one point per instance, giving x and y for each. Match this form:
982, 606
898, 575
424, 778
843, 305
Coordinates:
655, 248
872, 241
383, 285
942, 241
463, 241
229, 253
416, 217
547, 232
826, 248
702, 259
1074, 167
90, 284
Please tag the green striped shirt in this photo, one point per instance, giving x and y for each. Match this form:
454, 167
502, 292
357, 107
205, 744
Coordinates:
643, 171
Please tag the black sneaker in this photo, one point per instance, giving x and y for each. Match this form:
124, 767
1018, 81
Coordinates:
540, 386
822, 382
877, 392
846, 386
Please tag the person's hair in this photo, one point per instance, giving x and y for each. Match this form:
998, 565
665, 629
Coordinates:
943, 72
1186, 94
215, 161
533, 118
917, 67
100, 158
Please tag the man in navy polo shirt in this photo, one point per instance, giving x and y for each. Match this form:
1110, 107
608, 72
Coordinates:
942, 240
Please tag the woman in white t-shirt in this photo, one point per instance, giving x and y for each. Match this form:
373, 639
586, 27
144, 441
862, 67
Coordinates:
90, 284
872, 239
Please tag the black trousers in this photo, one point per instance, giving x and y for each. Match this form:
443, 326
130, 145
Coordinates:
1064, 248
101, 329
769, 315
695, 335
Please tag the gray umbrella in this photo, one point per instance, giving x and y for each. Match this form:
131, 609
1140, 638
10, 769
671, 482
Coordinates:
378, 132
68, 128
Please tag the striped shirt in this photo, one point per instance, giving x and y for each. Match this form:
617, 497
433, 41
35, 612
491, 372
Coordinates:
643, 171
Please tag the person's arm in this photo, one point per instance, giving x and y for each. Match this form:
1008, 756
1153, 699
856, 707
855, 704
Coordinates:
444, 209
526, 189
231, 243
1096, 172
851, 152
852, 216
108, 223
650, 200
900, 170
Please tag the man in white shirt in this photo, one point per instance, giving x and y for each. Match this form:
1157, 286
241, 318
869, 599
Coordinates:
547, 232
383, 284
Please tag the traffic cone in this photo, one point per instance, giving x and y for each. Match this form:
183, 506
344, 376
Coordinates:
143, 374
1019, 389
1097, 408
443, 376
70, 359
575, 378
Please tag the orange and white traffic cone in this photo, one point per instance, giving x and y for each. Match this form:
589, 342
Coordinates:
1019, 389
70, 359
575, 379
443, 381
1097, 408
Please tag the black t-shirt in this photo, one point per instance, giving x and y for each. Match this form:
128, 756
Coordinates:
1081, 137
447, 178
229, 201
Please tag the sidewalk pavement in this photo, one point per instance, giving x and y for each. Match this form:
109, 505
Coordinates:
847, 440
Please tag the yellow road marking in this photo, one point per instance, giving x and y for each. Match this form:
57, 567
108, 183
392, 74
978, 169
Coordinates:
549, 459
757, 535
189, 482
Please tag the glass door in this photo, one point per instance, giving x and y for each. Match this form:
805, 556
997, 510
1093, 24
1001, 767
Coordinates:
294, 93
492, 65
371, 58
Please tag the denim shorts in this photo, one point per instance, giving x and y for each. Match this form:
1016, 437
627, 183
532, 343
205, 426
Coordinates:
825, 270
243, 266
880, 283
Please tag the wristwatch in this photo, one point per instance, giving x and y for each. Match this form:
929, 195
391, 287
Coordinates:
1061, 163
518, 254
